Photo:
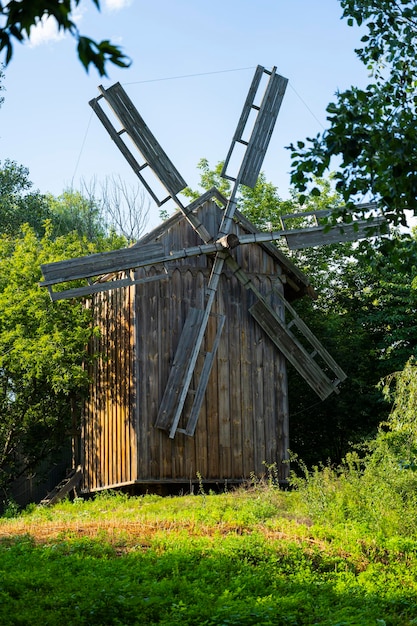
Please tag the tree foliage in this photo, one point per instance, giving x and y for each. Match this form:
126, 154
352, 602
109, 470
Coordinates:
372, 131
43, 378
42, 348
18, 17
19, 203
71, 211
364, 316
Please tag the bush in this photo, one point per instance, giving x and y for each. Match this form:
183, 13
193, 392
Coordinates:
375, 486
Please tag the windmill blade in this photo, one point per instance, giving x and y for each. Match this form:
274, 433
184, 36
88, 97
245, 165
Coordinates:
284, 338
299, 239
142, 138
169, 413
267, 113
100, 263
154, 156
372, 224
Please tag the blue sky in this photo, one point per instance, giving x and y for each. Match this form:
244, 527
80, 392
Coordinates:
192, 64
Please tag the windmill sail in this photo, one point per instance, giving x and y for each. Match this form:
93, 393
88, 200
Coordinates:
260, 136
134, 126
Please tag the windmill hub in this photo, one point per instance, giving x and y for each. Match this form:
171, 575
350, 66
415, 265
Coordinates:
229, 241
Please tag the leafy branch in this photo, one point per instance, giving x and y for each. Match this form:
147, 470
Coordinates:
20, 16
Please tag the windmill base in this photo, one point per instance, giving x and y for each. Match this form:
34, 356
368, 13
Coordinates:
170, 487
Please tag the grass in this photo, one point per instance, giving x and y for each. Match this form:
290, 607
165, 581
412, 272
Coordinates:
250, 557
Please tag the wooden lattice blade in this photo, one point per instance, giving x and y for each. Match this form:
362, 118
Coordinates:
172, 403
258, 142
323, 235
135, 127
287, 343
303, 362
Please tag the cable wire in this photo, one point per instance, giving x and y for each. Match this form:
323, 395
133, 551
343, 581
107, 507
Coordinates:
156, 80
81, 149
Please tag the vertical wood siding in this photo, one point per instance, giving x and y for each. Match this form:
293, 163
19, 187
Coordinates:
109, 439
243, 422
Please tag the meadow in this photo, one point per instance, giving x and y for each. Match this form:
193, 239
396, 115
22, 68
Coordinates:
323, 553
338, 548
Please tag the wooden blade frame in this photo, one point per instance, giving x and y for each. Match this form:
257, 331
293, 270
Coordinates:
279, 332
258, 142
152, 153
134, 125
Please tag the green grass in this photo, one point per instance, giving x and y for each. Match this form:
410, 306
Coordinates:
251, 557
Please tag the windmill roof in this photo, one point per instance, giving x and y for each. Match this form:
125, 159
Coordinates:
296, 283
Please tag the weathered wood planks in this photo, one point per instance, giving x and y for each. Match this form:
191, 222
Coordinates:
134, 125
258, 141
304, 363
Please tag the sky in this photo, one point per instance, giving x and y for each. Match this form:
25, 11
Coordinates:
192, 65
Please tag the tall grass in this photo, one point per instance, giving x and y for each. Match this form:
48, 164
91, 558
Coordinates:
376, 486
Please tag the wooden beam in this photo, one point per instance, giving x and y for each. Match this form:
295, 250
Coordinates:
168, 418
203, 382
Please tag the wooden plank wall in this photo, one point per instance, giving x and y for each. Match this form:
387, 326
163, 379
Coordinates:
243, 423
244, 419
109, 433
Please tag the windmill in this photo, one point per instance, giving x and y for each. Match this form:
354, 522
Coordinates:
287, 331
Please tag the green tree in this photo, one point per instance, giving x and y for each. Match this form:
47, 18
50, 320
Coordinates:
70, 212
365, 316
19, 203
372, 131
43, 378
73, 211
42, 365
18, 17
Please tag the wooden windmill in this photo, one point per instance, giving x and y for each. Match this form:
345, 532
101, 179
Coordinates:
284, 328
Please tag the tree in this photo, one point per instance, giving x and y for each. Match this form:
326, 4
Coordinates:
123, 207
20, 16
19, 204
72, 211
43, 378
372, 131
43, 374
